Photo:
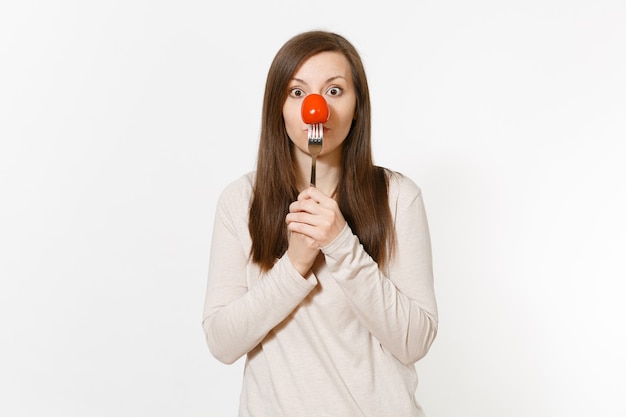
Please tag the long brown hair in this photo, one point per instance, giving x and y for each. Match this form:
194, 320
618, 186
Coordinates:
363, 188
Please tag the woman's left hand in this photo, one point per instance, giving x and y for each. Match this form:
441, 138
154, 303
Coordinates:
315, 215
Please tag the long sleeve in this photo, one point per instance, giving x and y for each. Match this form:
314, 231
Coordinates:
242, 305
398, 307
341, 342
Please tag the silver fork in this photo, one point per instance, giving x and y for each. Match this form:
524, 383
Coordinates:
316, 137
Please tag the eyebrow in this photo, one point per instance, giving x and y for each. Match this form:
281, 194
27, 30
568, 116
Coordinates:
327, 81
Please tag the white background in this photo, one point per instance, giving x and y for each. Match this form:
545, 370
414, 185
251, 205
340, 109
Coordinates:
121, 121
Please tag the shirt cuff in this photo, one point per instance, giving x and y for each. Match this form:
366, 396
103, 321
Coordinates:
343, 236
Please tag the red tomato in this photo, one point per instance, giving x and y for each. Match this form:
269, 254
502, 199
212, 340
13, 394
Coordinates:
314, 109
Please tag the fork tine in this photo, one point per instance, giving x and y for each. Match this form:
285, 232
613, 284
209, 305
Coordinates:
315, 137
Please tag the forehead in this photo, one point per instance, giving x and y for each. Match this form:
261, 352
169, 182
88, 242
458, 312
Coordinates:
323, 66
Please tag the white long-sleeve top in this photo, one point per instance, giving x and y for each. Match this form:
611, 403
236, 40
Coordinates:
340, 342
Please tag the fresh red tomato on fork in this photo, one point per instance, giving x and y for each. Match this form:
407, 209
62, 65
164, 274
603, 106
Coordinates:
314, 109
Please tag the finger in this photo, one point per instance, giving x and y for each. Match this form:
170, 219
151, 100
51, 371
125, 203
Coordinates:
308, 206
294, 207
301, 217
304, 229
305, 195
312, 193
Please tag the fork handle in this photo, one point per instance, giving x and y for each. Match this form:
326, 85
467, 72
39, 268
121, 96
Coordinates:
313, 171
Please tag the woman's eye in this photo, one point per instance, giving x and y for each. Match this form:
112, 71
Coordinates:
334, 91
296, 92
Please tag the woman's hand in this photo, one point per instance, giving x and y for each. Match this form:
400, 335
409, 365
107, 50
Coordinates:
314, 220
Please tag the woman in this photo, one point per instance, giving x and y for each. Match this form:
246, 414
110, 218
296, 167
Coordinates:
327, 289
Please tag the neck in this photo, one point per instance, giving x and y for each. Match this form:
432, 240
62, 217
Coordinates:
328, 173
